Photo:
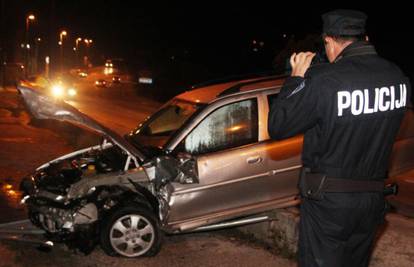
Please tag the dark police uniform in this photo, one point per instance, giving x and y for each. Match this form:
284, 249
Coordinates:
350, 112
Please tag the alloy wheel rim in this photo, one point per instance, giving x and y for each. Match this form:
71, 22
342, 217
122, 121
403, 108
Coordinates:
132, 235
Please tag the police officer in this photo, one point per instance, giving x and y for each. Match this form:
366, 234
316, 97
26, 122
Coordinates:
350, 110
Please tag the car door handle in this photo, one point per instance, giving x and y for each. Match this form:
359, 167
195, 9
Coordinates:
254, 159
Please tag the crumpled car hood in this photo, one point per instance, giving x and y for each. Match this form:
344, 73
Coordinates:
44, 107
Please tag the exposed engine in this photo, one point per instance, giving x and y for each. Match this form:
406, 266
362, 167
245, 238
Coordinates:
68, 196
58, 176
46, 191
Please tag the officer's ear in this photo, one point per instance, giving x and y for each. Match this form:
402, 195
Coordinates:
330, 47
328, 41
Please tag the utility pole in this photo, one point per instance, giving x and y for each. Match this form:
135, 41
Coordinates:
29, 18
61, 35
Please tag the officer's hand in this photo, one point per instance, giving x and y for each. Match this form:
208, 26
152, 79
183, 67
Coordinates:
300, 63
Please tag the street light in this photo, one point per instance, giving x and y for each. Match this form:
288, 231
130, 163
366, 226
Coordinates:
77, 41
76, 48
88, 42
36, 54
29, 18
61, 35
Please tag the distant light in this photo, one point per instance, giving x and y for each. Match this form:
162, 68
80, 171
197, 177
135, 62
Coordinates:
31, 17
39, 39
22, 45
74, 49
108, 71
284, 35
8, 186
79, 39
86, 41
71, 92
49, 243
254, 41
90, 41
99, 83
28, 46
145, 80
47, 60
60, 43
59, 198
255, 49
64, 33
24, 199
11, 193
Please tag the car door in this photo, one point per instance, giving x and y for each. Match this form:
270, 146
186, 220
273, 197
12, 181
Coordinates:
230, 163
283, 159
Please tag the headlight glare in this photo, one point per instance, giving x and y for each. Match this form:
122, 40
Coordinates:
57, 90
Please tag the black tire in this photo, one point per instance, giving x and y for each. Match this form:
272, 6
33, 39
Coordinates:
110, 235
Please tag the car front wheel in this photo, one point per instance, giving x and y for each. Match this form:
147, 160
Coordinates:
131, 232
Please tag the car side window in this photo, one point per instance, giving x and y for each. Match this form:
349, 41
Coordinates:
230, 126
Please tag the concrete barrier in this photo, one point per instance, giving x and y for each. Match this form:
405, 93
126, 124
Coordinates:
280, 233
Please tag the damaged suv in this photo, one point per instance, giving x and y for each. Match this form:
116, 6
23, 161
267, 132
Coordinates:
203, 161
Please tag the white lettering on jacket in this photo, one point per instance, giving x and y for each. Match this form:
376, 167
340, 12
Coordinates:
358, 101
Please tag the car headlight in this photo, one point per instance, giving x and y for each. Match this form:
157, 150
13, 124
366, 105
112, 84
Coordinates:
71, 92
57, 90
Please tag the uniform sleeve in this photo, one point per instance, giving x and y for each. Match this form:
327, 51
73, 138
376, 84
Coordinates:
295, 109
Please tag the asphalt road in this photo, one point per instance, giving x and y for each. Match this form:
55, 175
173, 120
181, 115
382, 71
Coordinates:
118, 105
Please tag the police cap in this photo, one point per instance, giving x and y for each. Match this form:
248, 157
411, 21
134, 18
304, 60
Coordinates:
344, 22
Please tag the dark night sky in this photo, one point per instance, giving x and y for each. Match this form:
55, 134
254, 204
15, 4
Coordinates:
210, 34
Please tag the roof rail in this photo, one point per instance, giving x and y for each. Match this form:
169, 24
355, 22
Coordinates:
233, 78
237, 87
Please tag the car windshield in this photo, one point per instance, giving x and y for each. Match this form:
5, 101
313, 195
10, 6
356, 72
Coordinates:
162, 124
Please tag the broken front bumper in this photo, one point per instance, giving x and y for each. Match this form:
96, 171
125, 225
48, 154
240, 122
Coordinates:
55, 218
